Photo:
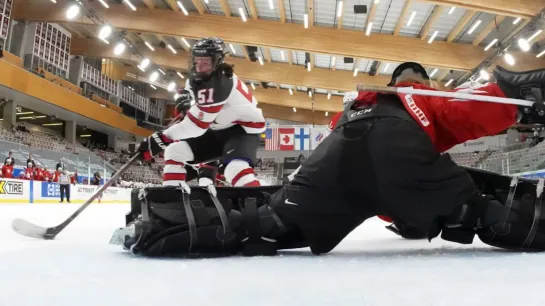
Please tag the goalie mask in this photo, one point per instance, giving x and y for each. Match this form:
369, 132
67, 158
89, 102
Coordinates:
206, 57
404, 68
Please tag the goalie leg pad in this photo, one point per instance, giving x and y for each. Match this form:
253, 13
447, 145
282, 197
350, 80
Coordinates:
168, 221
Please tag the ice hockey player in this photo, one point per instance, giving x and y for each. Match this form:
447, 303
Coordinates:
382, 158
224, 122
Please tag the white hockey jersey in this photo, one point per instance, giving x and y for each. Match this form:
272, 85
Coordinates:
220, 103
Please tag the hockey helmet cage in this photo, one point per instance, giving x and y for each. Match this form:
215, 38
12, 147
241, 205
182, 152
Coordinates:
207, 47
416, 67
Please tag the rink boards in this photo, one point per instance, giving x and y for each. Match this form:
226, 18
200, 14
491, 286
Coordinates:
23, 191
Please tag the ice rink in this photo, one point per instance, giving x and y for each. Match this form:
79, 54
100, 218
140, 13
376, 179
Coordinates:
371, 267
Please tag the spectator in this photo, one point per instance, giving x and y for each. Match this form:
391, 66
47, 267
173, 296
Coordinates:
74, 178
10, 161
96, 179
7, 171
60, 165
31, 160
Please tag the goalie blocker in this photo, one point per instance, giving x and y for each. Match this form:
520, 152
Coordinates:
168, 221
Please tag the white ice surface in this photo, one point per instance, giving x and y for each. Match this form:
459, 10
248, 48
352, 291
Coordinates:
371, 267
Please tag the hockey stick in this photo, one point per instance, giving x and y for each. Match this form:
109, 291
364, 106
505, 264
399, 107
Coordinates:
459, 96
29, 229
26, 228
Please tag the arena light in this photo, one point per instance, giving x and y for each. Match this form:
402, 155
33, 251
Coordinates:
524, 45
369, 28
474, 27
305, 20
452, 9
340, 9
162, 72
129, 3
52, 124
449, 82
509, 59
72, 11
253, 86
104, 33
540, 54
232, 48
517, 20
154, 76
534, 35
172, 49
433, 72
295, 110
326, 114
149, 46
85, 135
432, 38
282, 55
154, 88
171, 86
182, 7
119, 49
329, 96
25, 118
186, 43
242, 14
25, 113
413, 14
206, 1
291, 91
180, 75
308, 67
484, 75
271, 4
386, 67
104, 3
492, 43
54, 1
356, 72
145, 62
260, 60
310, 93
333, 61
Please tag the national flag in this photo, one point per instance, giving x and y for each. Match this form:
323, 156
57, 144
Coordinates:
271, 139
318, 134
302, 139
286, 139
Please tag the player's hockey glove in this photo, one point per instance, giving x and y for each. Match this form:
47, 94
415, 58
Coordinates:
183, 103
529, 85
153, 145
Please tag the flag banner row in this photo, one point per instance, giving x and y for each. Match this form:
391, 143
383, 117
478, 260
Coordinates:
294, 138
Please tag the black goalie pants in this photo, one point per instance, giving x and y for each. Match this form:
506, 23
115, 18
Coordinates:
375, 166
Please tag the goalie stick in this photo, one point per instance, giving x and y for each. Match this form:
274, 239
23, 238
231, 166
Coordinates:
29, 229
456, 96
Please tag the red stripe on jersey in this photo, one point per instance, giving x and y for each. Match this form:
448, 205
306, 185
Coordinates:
255, 125
241, 174
173, 162
253, 184
211, 109
174, 176
247, 95
203, 125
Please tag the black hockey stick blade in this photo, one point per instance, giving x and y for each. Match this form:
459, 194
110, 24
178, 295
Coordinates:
29, 229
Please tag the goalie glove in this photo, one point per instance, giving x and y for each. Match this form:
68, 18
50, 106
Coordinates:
153, 145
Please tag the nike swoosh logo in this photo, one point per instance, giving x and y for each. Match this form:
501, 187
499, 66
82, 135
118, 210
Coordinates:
290, 203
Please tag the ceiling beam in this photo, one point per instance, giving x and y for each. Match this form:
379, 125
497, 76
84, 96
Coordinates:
431, 20
380, 47
253, 9
339, 18
371, 15
310, 12
281, 11
289, 56
460, 26
225, 7
520, 8
403, 17
149, 3
489, 28
267, 53
198, 5
270, 72
245, 52
172, 5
